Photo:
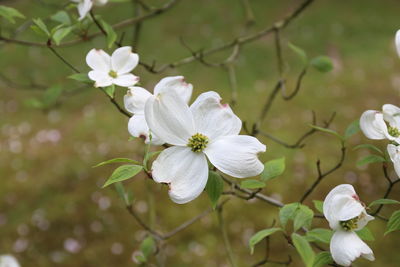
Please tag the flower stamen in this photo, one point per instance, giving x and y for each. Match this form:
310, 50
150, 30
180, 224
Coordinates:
113, 74
393, 131
350, 225
198, 142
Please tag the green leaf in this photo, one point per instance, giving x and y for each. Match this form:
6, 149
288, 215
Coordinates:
300, 52
322, 63
214, 187
369, 146
304, 249
34, 103
116, 160
273, 168
288, 212
41, 26
370, 159
383, 201
318, 204
148, 247
126, 197
252, 184
110, 90
10, 13
260, 235
81, 77
329, 131
352, 129
149, 156
51, 95
322, 259
303, 217
123, 173
319, 235
365, 234
60, 34
111, 34
61, 17
394, 222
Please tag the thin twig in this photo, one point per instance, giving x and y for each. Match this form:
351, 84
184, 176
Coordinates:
225, 238
63, 59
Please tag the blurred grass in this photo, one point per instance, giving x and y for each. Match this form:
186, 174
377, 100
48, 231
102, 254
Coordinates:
50, 197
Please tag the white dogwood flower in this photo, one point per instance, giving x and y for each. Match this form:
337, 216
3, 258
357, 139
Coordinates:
397, 42
383, 124
394, 153
135, 100
206, 129
116, 69
346, 214
84, 6
8, 261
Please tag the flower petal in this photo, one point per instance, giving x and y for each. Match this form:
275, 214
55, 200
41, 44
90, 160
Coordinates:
177, 83
137, 127
169, 117
346, 247
236, 155
397, 42
126, 80
391, 114
84, 7
135, 99
8, 261
101, 79
123, 60
394, 153
373, 125
185, 171
212, 118
99, 60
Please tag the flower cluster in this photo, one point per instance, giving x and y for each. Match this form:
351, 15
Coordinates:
207, 130
346, 214
385, 124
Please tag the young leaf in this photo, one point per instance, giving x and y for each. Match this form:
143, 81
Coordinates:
394, 222
318, 204
110, 90
369, 146
111, 34
116, 160
60, 34
61, 17
123, 173
352, 129
81, 77
214, 187
303, 217
119, 187
260, 235
148, 247
319, 235
323, 259
10, 13
383, 201
365, 234
252, 184
326, 130
300, 52
288, 212
322, 63
41, 26
304, 249
370, 159
149, 156
51, 95
273, 168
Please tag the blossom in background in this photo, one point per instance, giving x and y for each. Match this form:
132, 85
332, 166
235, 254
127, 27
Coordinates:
346, 214
8, 261
116, 69
135, 100
397, 42
394, 153
205, 129
84, 6
383, 124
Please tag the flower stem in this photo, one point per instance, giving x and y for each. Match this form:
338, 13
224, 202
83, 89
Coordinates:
227, 244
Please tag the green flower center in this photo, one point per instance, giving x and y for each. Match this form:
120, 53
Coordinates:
113, 74
198, 142
350, 225
393, 131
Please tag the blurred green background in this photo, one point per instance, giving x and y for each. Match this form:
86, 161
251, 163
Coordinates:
53, 211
